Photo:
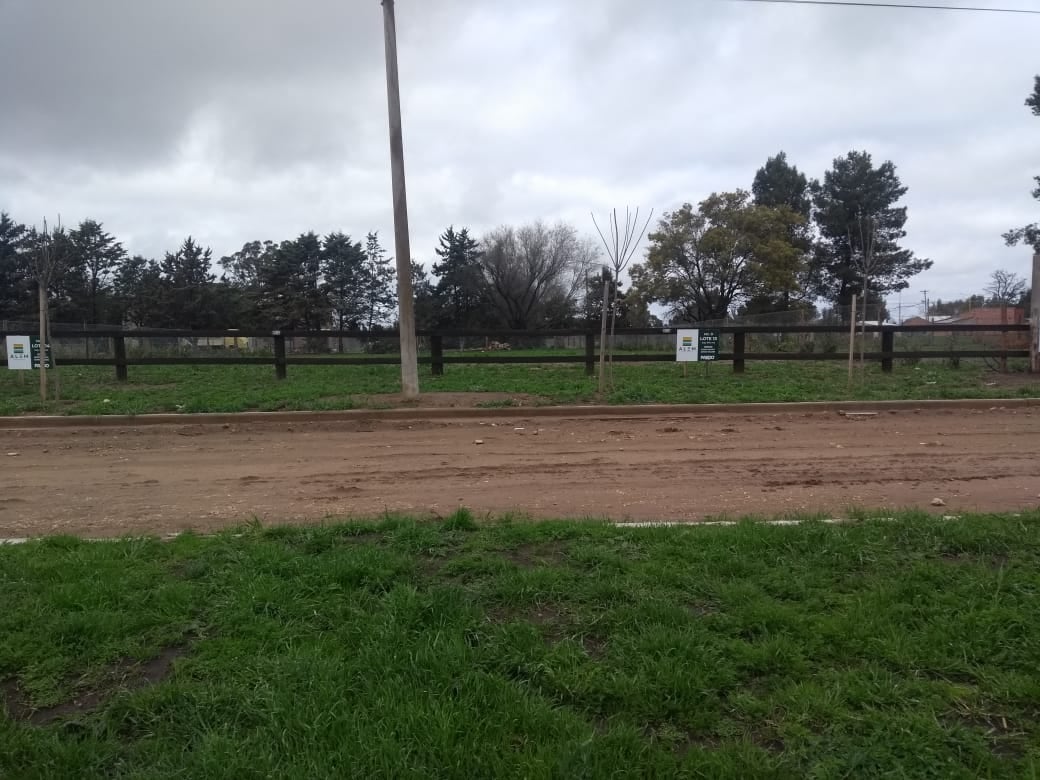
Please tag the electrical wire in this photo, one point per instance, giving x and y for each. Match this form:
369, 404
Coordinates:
916, 6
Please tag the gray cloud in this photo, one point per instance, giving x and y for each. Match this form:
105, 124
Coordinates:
246, 119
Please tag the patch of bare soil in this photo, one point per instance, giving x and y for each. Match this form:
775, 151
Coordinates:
680, 739
363, 538
528, 556
594, 645
998, 561
701, 609
124, 675
555, 623
1004, 739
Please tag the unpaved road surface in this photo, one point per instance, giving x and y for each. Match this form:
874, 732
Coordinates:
157, 479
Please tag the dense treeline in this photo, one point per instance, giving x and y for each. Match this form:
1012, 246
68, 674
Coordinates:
782, 245
532, 276
526, 277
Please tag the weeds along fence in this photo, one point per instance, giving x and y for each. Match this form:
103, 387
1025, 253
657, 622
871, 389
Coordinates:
741, 344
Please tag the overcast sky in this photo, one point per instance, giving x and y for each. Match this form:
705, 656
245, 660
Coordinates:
234, 120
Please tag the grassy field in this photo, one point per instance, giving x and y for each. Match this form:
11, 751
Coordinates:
400, 649
92, 390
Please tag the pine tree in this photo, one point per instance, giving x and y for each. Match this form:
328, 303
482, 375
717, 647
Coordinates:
345, 276
380, 297
857, 215
95, 257
186, 299
459, 293
16, 285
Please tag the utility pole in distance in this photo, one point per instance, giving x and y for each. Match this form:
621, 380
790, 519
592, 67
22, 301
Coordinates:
405, 298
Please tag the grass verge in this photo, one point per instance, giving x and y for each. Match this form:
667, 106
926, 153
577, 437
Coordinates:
91, 390
514, 649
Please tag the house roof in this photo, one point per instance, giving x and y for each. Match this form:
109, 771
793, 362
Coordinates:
934, 320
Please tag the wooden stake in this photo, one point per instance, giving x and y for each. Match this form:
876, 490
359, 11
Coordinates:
603, 338
852, 337
53, 361
1034, 316
863, 330
43, 341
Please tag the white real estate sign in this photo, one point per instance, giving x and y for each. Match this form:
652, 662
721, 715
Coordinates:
687, 345
19, 353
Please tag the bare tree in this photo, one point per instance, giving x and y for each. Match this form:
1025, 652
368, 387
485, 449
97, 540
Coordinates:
620, 244
534, 272
1005, 288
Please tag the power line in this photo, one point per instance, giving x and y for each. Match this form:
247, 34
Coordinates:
916, 6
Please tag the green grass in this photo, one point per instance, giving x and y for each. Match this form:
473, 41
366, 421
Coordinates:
91, 390
398, 649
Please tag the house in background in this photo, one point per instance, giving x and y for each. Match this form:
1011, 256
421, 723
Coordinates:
988, 315
985, 315
917, 322
994, 315
991, 315
923, 321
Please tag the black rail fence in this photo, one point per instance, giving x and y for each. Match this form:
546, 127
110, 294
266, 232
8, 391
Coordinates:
237, 347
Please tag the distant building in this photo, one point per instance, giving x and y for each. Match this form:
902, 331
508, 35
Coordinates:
988, 315
933, 320
991, 315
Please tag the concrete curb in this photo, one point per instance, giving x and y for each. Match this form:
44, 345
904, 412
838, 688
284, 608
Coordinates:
512, 412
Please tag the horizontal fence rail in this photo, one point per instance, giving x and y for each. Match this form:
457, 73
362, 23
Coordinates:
587, 353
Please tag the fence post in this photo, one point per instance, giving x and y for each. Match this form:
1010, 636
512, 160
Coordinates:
279, 354
119, 347
437, 354
590, 353
887, 347
739, 347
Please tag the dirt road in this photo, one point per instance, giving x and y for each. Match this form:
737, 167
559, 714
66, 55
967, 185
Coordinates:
110, 481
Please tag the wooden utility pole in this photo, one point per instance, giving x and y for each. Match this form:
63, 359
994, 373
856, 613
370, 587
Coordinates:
1034, 317
405, 298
